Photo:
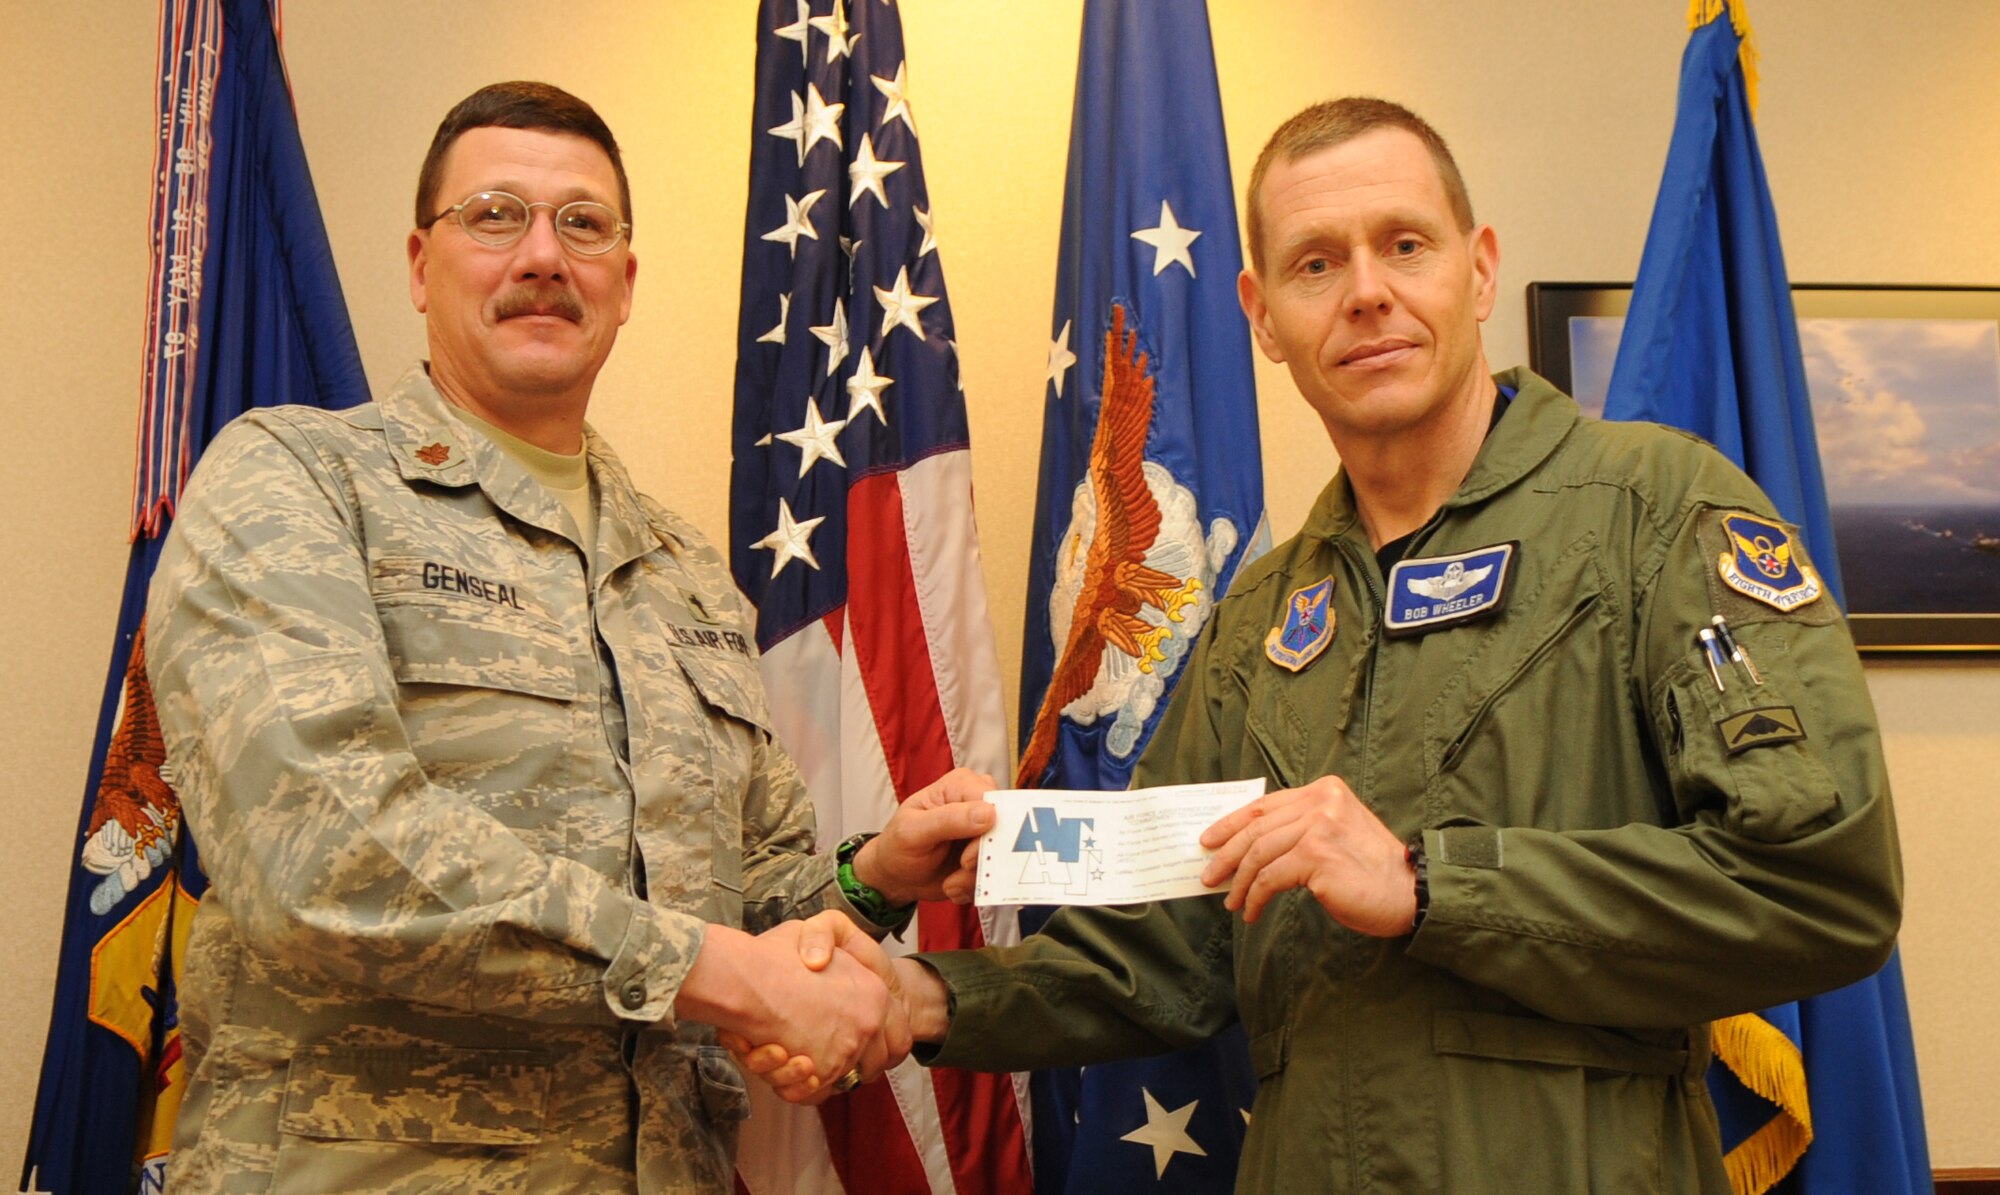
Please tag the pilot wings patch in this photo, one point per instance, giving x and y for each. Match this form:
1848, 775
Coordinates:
1427, 593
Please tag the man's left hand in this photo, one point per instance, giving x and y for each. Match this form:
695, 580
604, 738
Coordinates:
917, 856
1321, 837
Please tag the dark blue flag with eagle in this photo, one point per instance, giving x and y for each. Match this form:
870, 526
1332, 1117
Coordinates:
1151, 498
243, 309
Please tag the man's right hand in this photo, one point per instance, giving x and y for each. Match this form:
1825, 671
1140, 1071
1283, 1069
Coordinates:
834, 1018
824, 941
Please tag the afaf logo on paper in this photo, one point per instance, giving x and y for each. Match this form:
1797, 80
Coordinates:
1059, 851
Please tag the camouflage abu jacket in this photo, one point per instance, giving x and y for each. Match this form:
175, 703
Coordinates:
466, 803
1621, 847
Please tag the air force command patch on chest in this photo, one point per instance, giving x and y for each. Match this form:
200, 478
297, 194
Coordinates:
1431, 592
1307, 629
1763, 563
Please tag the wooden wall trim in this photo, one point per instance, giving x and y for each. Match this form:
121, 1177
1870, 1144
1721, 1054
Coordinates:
1968, 1180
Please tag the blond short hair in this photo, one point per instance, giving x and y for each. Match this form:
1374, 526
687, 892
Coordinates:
1336, 122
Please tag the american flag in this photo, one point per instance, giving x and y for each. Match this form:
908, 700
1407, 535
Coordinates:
851, 529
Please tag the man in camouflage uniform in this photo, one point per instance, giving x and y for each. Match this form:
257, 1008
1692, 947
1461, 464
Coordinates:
1530, 836
473, 740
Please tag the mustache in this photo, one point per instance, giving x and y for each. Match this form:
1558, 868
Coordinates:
529, 301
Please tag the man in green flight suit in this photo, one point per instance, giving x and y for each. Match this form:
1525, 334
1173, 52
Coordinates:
1528, 844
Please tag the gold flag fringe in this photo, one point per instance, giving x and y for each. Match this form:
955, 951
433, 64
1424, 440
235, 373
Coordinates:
1701, 12
1764, 1060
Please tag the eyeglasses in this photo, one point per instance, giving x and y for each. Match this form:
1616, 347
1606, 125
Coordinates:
499, 219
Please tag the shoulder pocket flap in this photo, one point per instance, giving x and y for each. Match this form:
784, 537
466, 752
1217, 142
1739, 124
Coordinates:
446, 1096
308, 683
1554, 1043
731, 684
435, 641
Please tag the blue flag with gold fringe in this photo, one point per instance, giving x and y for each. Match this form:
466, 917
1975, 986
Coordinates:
243, 309
1825, 1089
1151, 497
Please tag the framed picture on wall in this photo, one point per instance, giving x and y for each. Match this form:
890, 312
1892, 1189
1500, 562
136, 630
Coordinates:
1905, 386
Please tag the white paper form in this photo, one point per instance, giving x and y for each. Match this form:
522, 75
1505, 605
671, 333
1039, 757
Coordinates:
1062, 847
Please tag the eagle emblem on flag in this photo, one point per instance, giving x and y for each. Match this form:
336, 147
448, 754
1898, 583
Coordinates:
1129, 571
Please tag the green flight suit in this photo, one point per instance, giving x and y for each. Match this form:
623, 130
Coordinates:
1606, 874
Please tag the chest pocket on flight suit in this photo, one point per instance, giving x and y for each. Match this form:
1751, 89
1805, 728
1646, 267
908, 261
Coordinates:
1529, 682
737, 722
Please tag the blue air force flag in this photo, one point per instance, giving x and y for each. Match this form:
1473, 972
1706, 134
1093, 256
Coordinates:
1151, 497
1711, 345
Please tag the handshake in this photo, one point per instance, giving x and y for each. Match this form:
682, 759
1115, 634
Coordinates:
885, 1005
817, 1007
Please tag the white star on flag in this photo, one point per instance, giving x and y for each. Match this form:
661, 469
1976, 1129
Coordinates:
797, 31
866, 172
794, 130
815, 440
1169, 241
834, 336
1060, 358
1166, 1132
777, 335
864, 389
899, 306
798, 222
835, 28
930, 237
822, 120
792, 540
899, 103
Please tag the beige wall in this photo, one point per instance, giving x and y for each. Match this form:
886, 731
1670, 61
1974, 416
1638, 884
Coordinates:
1881, 132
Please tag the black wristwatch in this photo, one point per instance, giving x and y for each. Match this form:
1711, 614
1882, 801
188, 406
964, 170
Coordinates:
1413, 852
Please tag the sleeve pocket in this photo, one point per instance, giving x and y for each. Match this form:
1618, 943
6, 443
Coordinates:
1753, 744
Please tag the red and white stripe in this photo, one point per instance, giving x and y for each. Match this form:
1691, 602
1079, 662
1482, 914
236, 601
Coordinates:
875, 701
